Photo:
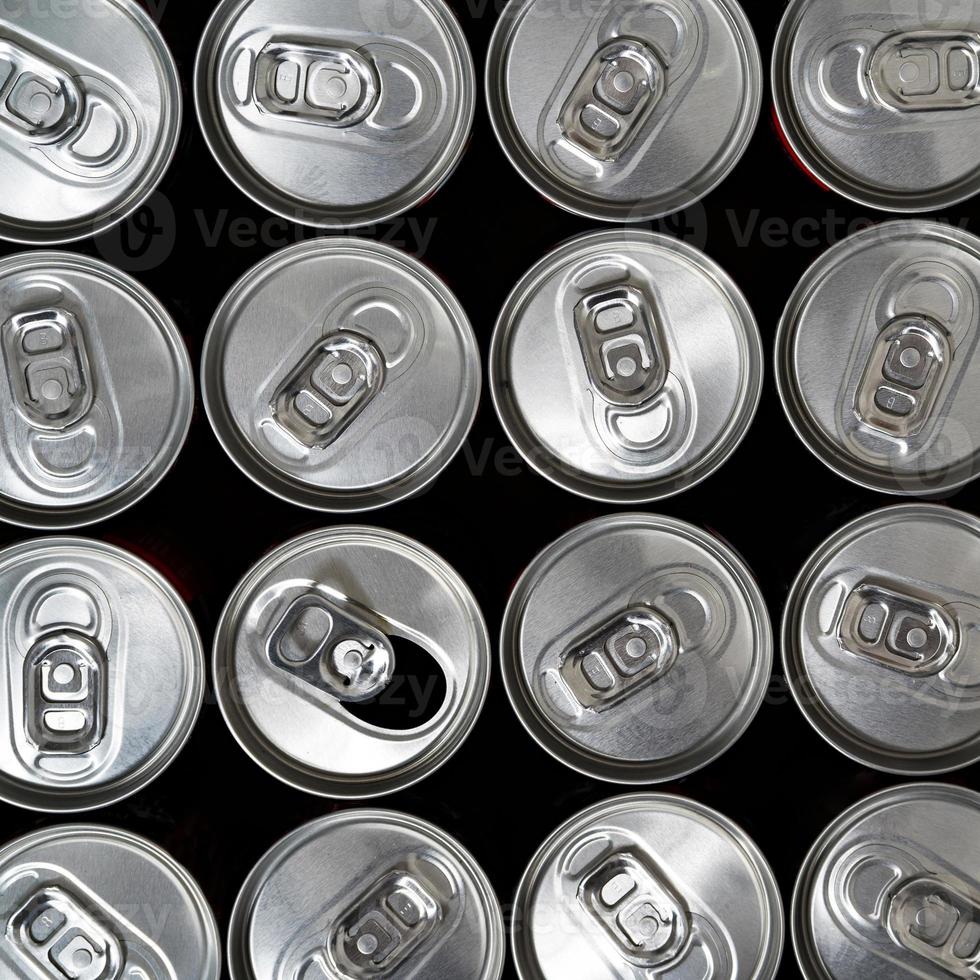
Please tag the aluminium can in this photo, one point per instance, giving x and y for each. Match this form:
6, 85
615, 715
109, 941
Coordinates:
648, 885
102, 674
626, 366
333, 113
877, 362
90, 112
89, 902
624, 111
96, 390
889, 891
878, 100
337, 619
636, 648
880, 639
341, 375
366, 893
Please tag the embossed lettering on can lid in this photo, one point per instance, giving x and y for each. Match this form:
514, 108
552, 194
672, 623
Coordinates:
880, 100
322, 625
341, 375
102, 677
89, 117
96, 390
648, 885
880, 639
382, 894
889, 891
333, 113
636, 648
91, 902
626, 366
624, 111
877, 361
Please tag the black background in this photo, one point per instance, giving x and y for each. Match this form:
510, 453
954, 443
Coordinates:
206, 524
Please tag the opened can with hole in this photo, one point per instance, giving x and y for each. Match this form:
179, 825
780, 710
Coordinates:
89, 117
333, 113
889, 891
626, 366
382, 894
636, 648
880, 639
624, 111
102, 674
341, 375
85, 902
96, 390
351, 662
877, 361
648, 885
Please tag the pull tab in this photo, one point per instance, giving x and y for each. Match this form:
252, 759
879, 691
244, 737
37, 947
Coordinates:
898, 631
622, 344
927, 71
619, 88
632, 649
39, 100
904, 375
334, 650
333, 384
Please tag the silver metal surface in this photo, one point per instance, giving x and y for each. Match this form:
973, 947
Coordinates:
890, 891
648, 886
312, 629
362, 894
84, 902
626, 366
878, 98
624, 110
334, 113
880, 639
341, 375
102, 674
636, 648
877, 362
89, 117
96, 390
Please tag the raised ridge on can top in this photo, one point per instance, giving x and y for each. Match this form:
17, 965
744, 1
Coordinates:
877, 362
626, 366
89, 119
879, 639
96, 390
649, 885
384, 894
889, 891
636, 648
624, 111
341, 375
333, 113
879, 99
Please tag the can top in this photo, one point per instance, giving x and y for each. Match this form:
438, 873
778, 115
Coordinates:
341, 375
879, 101
332, 113
636, 648
626, 366
622, 111
89, 121
879, 639
395, 897
648, 885
96, 392
86, 901
335, 619
877, 361
889, 890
